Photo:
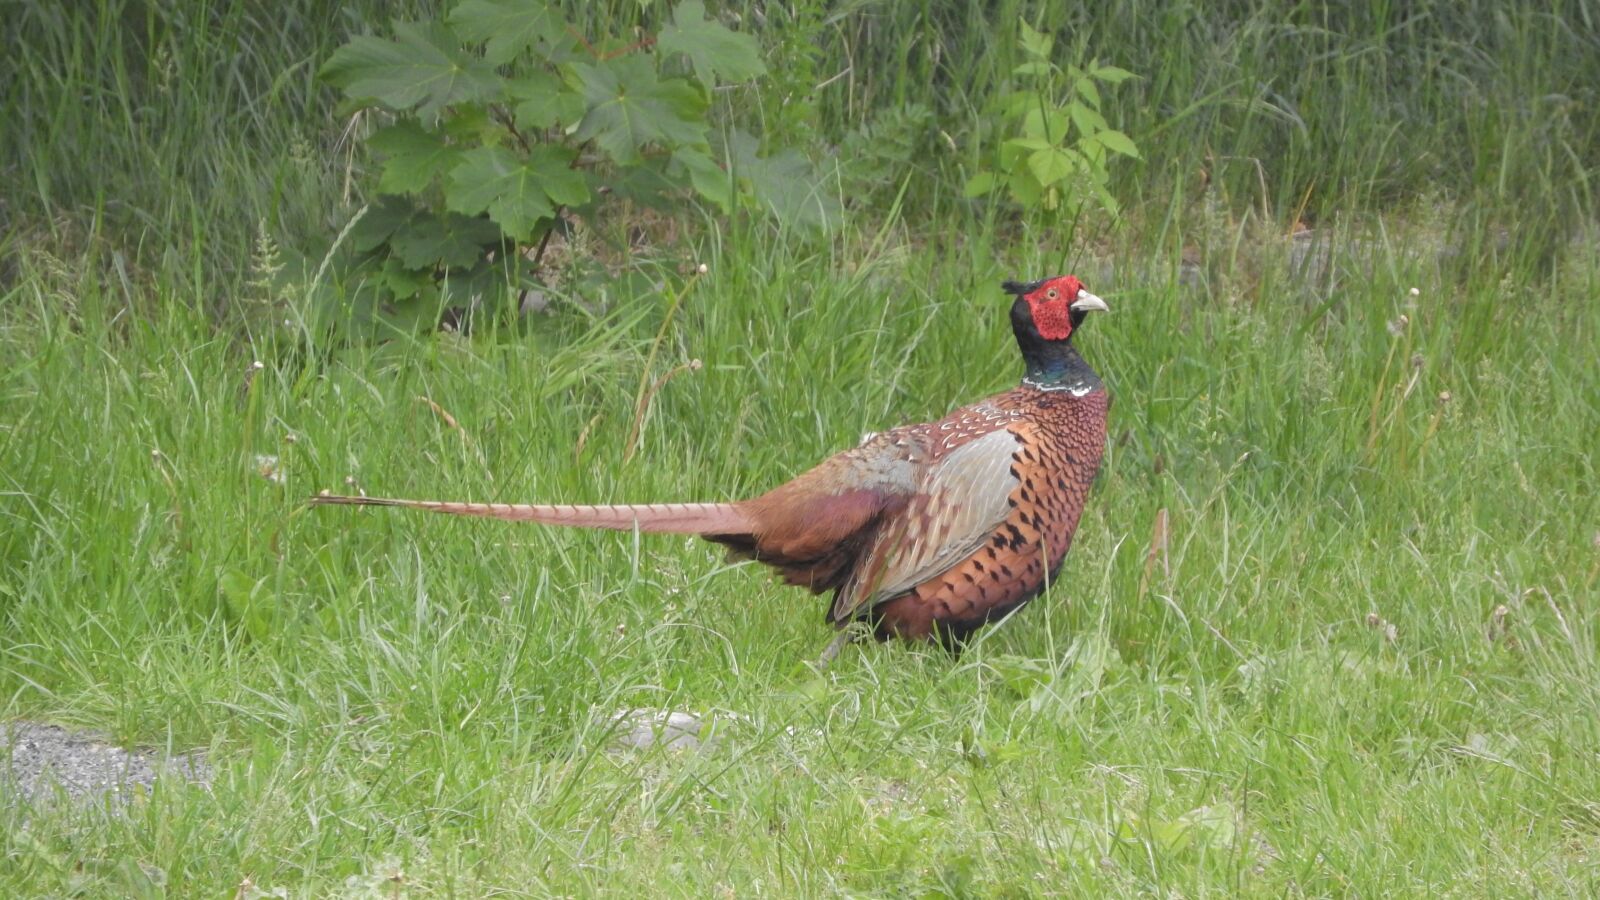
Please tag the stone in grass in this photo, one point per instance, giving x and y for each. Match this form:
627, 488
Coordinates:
36, 759
642, 729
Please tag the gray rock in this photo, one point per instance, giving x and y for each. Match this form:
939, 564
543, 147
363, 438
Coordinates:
642, 729
533, 301
1320, 258
36, 759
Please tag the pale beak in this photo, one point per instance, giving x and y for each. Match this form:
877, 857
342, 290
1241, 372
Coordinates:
1087, 301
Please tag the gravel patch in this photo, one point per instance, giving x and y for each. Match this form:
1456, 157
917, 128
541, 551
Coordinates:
37, 760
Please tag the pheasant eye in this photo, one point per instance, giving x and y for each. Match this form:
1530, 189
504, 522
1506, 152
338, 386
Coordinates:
1052, 294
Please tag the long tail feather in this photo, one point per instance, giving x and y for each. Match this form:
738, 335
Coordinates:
672, 518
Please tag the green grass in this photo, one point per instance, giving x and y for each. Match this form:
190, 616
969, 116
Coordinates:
380, 691
432, 694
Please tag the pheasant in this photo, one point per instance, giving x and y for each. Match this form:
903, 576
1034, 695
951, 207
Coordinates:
923, 531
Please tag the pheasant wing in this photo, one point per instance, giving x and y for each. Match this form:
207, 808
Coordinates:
960, 499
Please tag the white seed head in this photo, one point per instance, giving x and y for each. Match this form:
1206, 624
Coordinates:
267, 466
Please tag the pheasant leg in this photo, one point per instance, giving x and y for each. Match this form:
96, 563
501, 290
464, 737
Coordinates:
847, 635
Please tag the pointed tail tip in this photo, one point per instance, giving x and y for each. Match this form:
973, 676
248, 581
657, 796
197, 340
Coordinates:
324, 498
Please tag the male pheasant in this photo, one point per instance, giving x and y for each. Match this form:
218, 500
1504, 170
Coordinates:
925, 531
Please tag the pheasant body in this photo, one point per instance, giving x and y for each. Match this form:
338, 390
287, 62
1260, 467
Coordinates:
1052, 452
929, 530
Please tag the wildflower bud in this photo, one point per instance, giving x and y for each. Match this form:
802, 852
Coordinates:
291, 438
350, 481
1444, 396
1416, 292
155, 455
695, 365
1385, 628
1499, 628
702, 268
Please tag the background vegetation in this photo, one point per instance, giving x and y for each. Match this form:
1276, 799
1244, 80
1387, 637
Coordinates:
1329, 626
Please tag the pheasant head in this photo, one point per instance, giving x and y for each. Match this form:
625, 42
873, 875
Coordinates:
1043, 317
1051, 309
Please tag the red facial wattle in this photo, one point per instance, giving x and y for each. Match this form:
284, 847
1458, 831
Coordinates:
1051, 307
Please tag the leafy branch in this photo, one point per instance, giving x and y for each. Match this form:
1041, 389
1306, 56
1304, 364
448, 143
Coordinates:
503, 119
1061, 144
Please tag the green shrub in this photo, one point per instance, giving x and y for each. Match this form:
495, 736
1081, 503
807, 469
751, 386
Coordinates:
502, 120
1056, 160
